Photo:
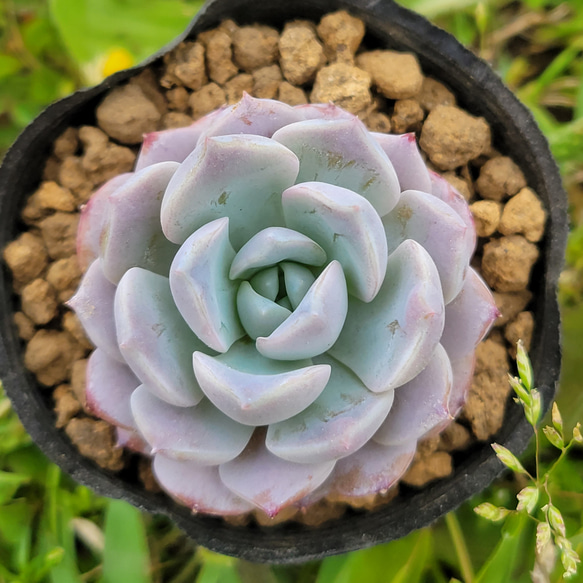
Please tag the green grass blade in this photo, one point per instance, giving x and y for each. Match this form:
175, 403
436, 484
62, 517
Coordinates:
418, 561
9, 484
126, 558
501, 563
331, 568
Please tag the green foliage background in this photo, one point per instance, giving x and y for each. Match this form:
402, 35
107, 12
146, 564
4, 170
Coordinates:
56, 531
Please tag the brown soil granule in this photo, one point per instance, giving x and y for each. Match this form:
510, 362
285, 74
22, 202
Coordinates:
290, 94
59, 233
72, 175
175, 119
425, 469
484, 408
72, 325
521, 328
25, 326
185, 68
487, 215
126, 114
50, 355
451, 137
177, 99
52, 197
206, 99
66, 405
376, 121
407, 116
395, 75
96, 440
219, 56
510, 304
302, 54
341, 34
26, 257
255, 47
507, 263
147, 476
500, 178
266, 82
39, 301
434, 93
524, 214
345, 85
454, 437
235, 87
103, 159
64, 276
78, 372
462, 184
66, 144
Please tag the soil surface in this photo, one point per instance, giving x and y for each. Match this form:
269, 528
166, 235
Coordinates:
305, 62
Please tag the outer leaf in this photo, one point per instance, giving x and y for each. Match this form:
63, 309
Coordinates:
15, 522
109, 386
468, 317
132, 235
439, 229
406, 160
342, 152
126, 557
229, 176
339, 422
281, 484
260, 117
421, 405
93, 217
198, 487
390, 340
172, 145
373, 468
93, 304
56, 530
218, 573
403, 560
201, 434
154, 339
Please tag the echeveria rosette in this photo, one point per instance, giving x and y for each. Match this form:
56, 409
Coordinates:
282, 306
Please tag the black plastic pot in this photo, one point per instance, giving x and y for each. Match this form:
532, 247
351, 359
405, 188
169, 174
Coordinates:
478, 90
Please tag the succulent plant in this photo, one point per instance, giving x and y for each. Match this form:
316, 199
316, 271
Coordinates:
282, 306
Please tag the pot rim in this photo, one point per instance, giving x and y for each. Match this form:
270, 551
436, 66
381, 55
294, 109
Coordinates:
388, 26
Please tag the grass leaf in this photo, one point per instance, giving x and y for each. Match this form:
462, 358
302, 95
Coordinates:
125, 558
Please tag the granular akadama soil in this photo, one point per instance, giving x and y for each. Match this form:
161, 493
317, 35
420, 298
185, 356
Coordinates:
302, 63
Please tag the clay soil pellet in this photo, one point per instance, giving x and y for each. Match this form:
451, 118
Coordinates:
305, 62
